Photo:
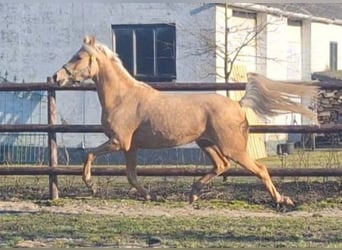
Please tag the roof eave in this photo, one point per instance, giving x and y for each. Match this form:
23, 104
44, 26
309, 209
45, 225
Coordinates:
279, 12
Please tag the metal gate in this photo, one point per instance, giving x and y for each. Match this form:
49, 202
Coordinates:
23, 107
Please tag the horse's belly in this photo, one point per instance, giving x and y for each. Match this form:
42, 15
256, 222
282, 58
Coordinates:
163, 138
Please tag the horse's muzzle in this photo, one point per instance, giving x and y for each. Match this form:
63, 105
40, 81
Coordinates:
60, 78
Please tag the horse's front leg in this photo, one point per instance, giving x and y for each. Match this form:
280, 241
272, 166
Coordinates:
104, 148
131, 165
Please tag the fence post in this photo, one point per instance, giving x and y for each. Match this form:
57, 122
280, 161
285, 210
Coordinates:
52, 141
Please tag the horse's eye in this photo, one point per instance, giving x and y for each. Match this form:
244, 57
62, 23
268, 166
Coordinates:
77, 58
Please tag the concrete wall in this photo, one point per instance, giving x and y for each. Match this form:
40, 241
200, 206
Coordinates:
322, 35
281, 39
37, 38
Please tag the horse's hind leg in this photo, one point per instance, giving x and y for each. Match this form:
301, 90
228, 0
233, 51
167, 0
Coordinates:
261, 171
131, 164
220, 165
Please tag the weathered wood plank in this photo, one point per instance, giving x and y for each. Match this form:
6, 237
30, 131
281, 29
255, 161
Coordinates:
175, 171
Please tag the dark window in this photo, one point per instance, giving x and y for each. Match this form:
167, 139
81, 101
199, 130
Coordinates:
244, 14
294, 22
148, 51
333, 55
124, 44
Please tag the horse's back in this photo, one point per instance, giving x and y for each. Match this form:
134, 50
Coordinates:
220, 107
192, 106
174, 119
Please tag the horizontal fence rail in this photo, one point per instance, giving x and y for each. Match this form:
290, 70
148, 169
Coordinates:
199, 86
148, 171
77, 128
52, 128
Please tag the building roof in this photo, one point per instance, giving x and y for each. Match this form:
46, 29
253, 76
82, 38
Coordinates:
325, 13
325, 10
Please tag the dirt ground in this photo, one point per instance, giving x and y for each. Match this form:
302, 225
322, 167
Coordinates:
228, 199
138, 210
319, 198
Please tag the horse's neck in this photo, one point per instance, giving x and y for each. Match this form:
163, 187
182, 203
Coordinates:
113, 83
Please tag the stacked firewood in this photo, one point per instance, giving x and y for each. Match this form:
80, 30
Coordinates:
329, 112
329, 107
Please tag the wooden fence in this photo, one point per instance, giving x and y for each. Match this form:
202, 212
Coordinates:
52, 128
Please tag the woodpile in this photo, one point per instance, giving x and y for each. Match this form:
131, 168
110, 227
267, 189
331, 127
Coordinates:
329, 112
329, 107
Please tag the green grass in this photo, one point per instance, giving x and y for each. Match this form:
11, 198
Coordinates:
85, 230
243, 194
328, 158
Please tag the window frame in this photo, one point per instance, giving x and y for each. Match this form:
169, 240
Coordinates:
156, 76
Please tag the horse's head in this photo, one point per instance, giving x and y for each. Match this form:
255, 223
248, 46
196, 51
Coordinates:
82, 66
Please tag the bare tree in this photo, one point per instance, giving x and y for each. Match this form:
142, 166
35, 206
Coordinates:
227, 50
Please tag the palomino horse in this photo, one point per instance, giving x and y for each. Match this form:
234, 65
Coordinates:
134, 115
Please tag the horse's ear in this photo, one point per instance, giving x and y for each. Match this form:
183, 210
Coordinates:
89, 40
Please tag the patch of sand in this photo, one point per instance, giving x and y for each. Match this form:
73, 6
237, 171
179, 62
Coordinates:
29, 207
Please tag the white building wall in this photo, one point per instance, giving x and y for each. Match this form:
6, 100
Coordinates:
221, 32
337, 37
306, 49
282, 50
45, 34
320, 46
276, 67
37, 38
242, 35
322, 35
294, 51
284, 62
261, 44
276, 47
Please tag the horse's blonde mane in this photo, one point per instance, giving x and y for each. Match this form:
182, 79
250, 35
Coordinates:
110, 54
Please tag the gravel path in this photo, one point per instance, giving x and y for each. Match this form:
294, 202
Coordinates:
29, 207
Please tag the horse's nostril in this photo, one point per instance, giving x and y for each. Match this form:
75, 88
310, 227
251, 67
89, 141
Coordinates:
54, 77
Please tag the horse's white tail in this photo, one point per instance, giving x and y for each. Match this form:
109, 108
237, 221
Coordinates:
269, 98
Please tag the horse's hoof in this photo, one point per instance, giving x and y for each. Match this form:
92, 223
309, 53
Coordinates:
91, 186
150, 197
155, 198
284, 204
93, 190
193, 198
286, 201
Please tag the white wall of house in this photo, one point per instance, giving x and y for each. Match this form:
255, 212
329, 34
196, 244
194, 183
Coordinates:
276, 47
235, 29
276, 68
37, 38
288, 49
277, 53
238, 25
221, 31
322, 35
